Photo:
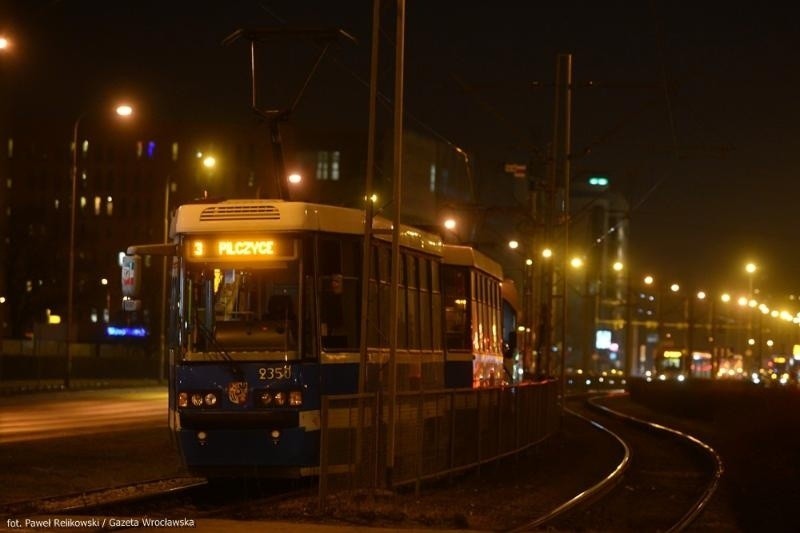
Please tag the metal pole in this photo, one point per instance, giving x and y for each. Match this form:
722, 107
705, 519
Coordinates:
397, 198
71, 269
562, 140
367, 248
162, 341
369, 206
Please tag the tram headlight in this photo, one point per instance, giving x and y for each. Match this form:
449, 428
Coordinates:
295, 398
265, 398
280, 398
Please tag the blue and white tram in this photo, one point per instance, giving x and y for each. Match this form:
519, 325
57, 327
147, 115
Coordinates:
473, 303
266, 300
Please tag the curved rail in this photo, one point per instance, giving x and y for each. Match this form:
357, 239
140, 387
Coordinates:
719, 468
598, 488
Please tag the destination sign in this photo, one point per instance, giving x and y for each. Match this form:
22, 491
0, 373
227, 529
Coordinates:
228, 249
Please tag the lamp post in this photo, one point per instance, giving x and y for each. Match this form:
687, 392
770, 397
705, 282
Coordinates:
123, 111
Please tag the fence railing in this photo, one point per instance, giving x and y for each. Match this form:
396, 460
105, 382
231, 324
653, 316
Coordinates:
437, 433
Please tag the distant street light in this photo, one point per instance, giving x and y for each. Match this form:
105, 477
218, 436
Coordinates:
295, 178
124, 111
751, 269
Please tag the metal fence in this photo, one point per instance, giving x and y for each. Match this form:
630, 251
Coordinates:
436, 433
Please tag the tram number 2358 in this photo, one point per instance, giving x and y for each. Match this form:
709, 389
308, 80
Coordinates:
278, 372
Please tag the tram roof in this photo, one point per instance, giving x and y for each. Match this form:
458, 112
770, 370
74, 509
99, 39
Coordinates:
454, 254
254, 215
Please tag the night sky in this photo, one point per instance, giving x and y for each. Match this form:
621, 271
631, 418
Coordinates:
693, 108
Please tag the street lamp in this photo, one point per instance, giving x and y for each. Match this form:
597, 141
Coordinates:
750, 268
123, 111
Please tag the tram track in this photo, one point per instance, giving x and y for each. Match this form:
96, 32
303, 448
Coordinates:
95, 499
663, 482
180, 496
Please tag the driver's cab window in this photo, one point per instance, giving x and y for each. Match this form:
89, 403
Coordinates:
252, 310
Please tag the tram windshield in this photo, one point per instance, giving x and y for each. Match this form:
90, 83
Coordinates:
241, 312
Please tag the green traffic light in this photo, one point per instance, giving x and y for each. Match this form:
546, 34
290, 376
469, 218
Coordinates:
598, 181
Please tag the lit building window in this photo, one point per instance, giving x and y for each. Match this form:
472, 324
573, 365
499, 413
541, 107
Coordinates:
85, 147
322, 165
97, 205
432, 181
28, 286
175, 151
8, 183
83, 202
109, 206
10, 148
83, 175
139, 149
328, 167
335, 166
57, 203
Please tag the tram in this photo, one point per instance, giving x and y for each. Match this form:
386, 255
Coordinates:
265, 306
472, 287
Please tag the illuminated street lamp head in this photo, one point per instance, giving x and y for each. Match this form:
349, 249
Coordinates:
450, 223
529, 262
618, 266
701, 295
725, 297
295, 178
648, 280
750, 268
4, 43
209, 161
742, 301
547, 253
124, 110
513, 244
674, 287
576, 262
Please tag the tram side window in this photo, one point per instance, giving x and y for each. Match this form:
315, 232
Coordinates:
402, 322
412, 289
338, 293
373, 321
436, 306
426, 343
455, 304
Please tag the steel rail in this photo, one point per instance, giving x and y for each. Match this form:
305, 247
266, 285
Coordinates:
608, 482
719, 468
103, 497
